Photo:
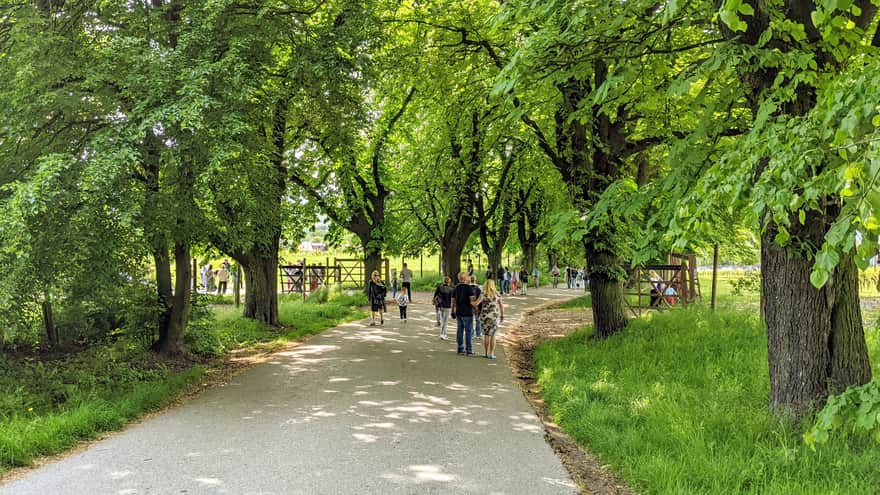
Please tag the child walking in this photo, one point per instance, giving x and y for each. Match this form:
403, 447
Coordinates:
402, 301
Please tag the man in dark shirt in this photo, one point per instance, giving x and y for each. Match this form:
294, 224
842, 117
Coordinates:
463, 311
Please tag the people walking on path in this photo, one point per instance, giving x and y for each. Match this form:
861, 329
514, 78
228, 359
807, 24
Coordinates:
394, 283
401, 303
507, 279
478, 325
463, 301
523, 280
470, 267
491, 315
499, 278
204, 272
377, 292
443, 297
406, 276
536, 277
210, 284
554, 272
222, 278
569, 277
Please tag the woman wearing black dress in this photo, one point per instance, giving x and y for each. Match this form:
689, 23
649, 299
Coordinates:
377, 292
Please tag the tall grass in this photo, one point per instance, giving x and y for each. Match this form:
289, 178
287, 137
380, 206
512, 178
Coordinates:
677, 403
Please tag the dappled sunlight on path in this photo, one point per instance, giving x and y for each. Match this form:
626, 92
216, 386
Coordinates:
357, 409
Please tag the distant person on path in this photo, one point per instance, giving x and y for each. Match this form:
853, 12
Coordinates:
406, 276
463, 301
222, 278
204, 273
478, 325
377, 292
555, 273
536, 277
569, 277
401, 303
443, 298
515, 281
470, 268
492, 315
579, 278
507, 277
499, 278
523, 280
210, 284
394, 283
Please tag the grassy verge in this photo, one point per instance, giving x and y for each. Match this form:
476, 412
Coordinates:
581, 302
678, 404
49, 404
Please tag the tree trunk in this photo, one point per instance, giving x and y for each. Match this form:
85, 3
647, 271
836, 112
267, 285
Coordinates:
178, 315
372, 262
164, 291
452, 249
49, 321
606, 292
261, 274
815, 339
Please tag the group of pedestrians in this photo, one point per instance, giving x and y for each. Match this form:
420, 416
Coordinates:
216, 279
473, 308
477, 311
514, 282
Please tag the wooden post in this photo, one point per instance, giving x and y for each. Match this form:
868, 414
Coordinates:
714, 275
195, 275
236, 286
639, 289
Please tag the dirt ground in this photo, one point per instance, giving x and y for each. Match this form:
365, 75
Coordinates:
537, 326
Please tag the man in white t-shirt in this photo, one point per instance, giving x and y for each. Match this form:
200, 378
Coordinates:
406, 276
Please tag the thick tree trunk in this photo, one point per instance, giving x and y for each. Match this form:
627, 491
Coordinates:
261, 276
452, 249
606, 292
372, 262
164, 291
815, 339
178, 316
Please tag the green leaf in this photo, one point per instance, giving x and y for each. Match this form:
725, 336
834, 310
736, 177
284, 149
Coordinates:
818, 277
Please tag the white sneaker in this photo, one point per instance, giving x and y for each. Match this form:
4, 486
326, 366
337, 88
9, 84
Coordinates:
443, 337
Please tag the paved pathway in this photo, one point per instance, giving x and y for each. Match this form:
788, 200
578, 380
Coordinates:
356, 410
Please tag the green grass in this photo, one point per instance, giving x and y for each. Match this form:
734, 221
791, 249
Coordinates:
48, 406
678, 404
578, 303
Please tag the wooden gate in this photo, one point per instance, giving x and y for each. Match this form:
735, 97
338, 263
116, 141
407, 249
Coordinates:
350, 271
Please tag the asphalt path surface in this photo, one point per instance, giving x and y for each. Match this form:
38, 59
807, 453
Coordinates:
355, 410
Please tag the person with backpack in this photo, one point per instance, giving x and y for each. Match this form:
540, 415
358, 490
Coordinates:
401, 304
376, 291
443, 302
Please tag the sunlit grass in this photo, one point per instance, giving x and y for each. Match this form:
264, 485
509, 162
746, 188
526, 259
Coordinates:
677, 403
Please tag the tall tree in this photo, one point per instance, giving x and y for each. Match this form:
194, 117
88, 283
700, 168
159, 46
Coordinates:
786, 169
